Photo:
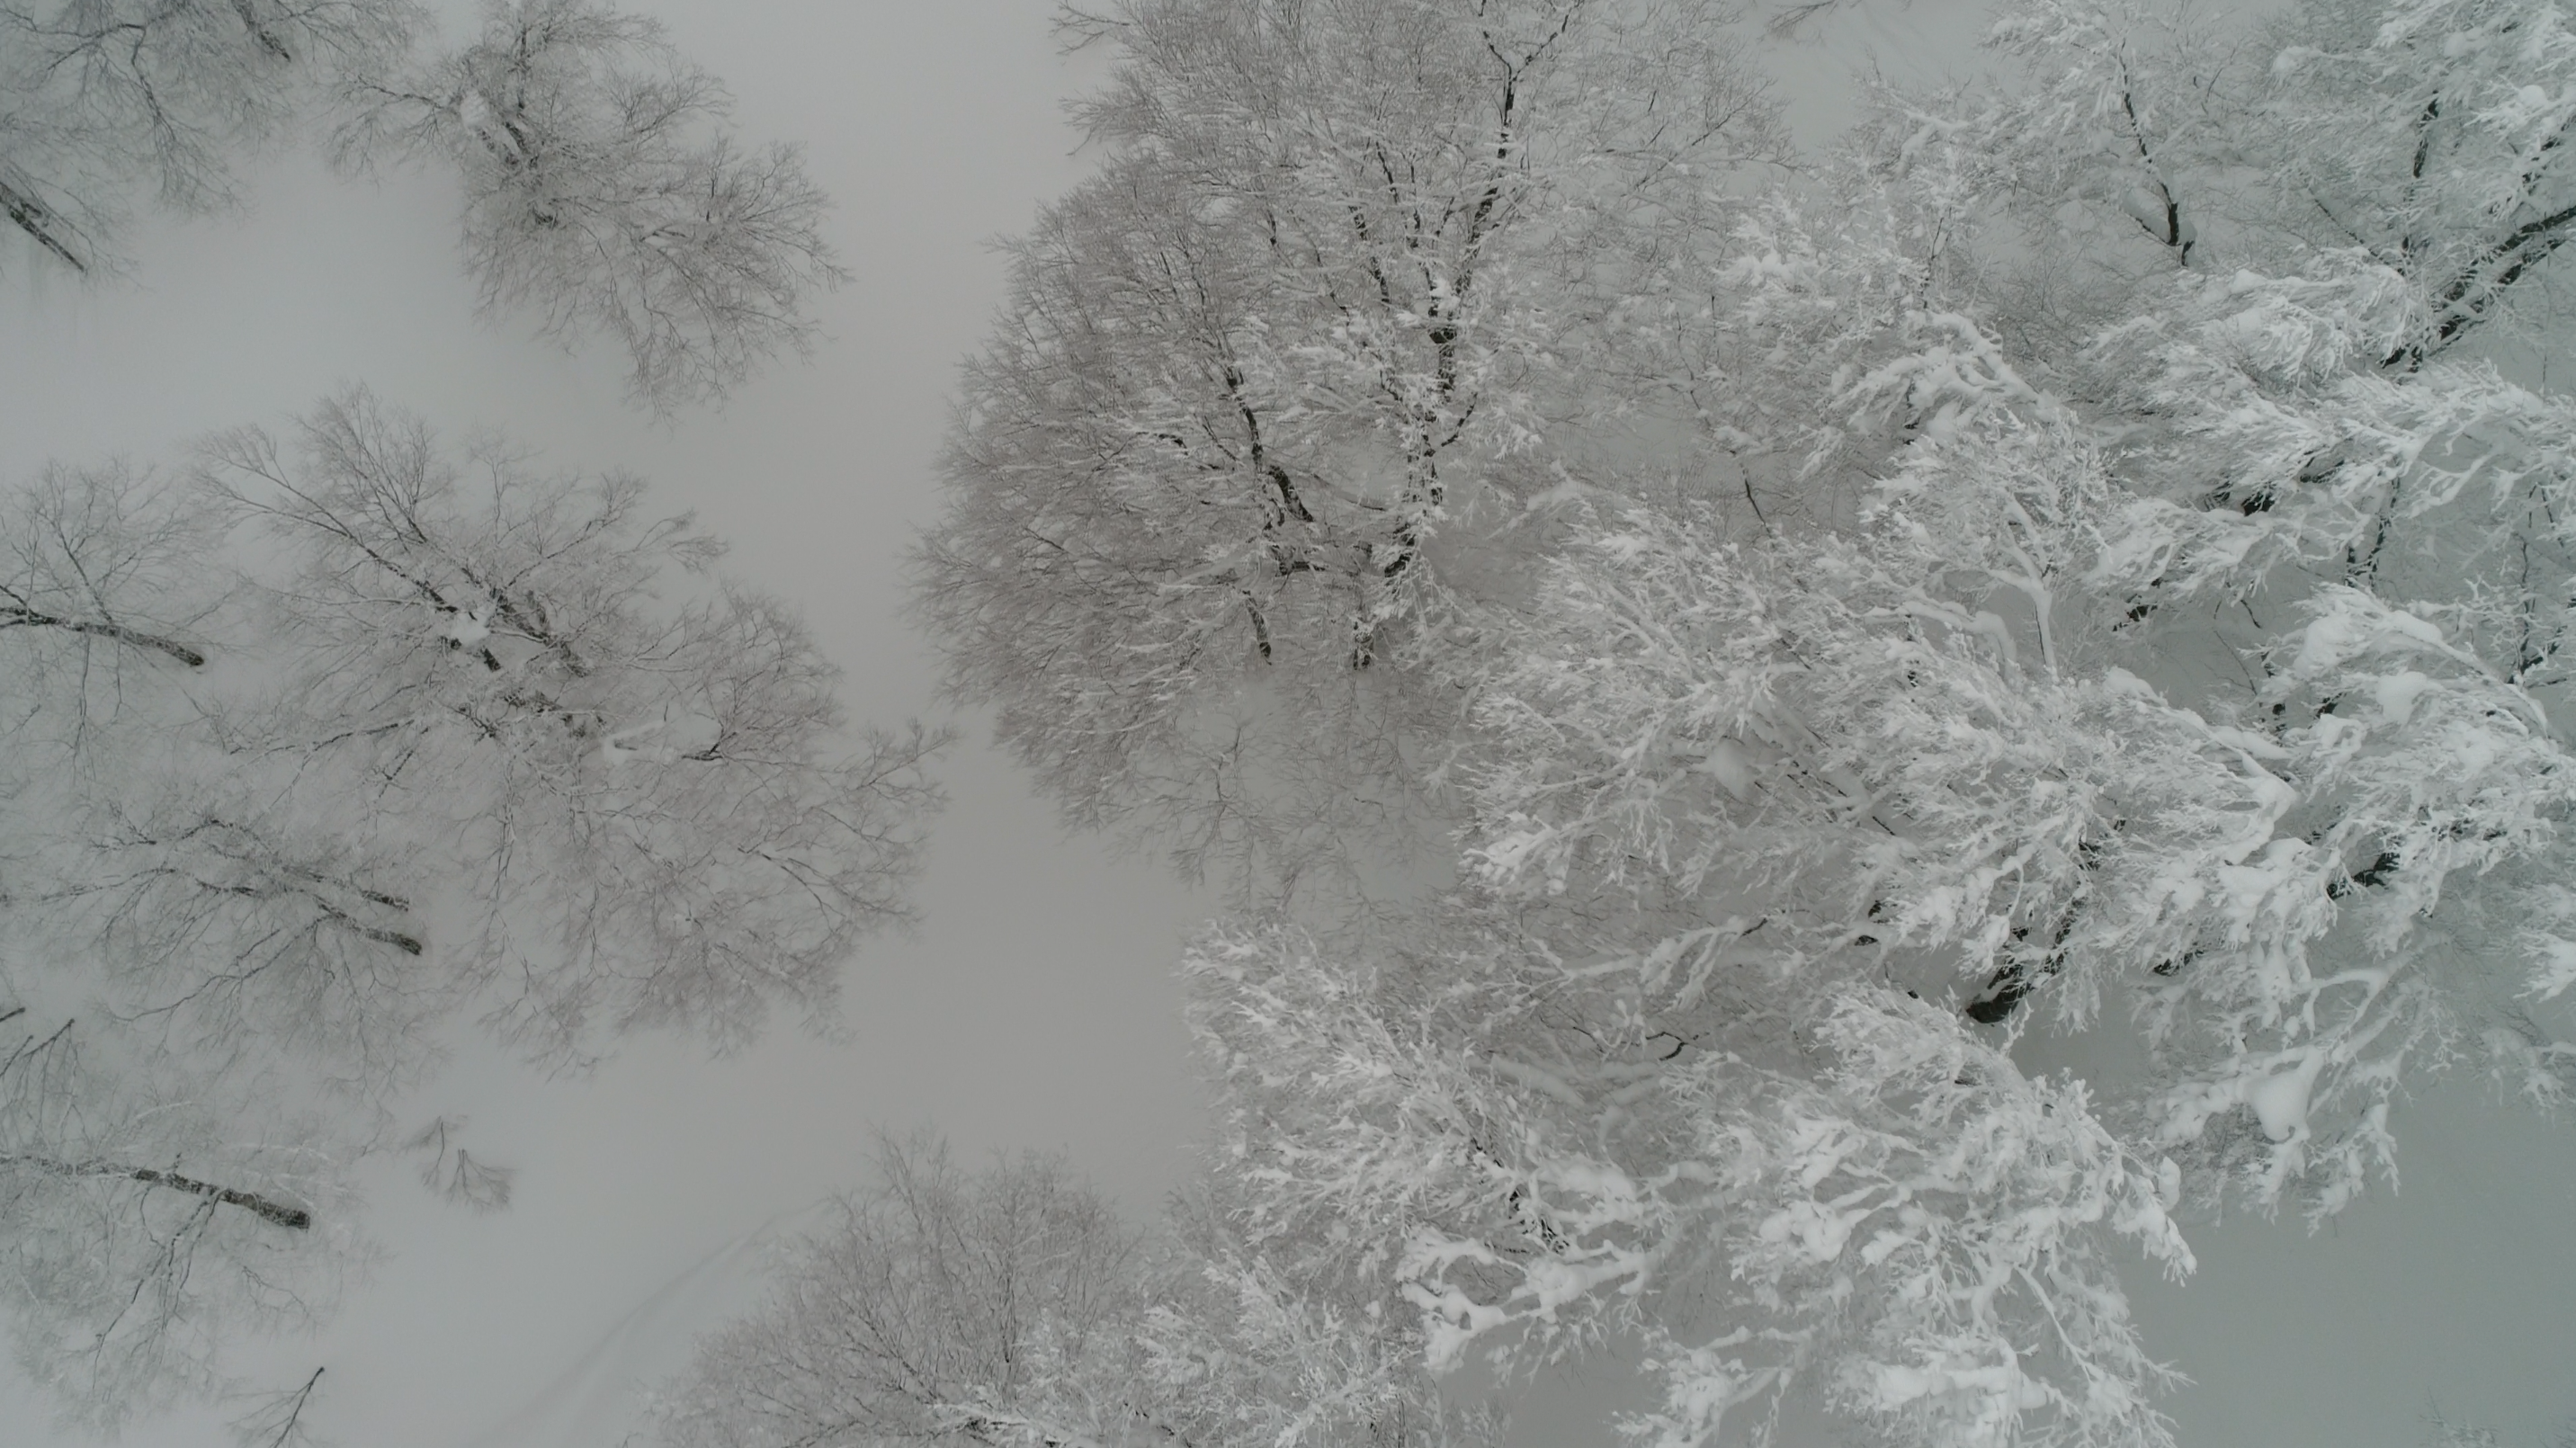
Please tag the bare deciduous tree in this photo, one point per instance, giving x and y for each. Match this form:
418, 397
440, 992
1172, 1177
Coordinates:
1010, 1307
603, 190
1344, 285
944, 1303
277, 1420
103, 102
150, 1212
457, 736
644, 794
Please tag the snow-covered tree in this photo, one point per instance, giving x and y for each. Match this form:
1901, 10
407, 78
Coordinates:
1347, 273
2280, 498
1272, 1337
604, 190
641, 786
1011, 1306
942, 1304
456, 735
104, 102
2085, 739
153, 1210
1772, 1187
2184, 673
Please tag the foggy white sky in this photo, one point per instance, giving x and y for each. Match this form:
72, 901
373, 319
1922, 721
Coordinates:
1036, 1008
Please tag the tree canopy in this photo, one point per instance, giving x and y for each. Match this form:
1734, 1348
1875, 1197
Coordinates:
315, 743
1346, 268
331, 740
1997, 695
604, 190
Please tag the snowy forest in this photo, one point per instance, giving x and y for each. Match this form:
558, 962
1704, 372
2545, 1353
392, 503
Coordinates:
1826, 732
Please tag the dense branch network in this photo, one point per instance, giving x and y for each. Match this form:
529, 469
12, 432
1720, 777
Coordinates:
604, 189
2025, 575
318, 747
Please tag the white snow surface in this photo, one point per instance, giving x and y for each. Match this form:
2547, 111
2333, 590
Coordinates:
597, 1401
